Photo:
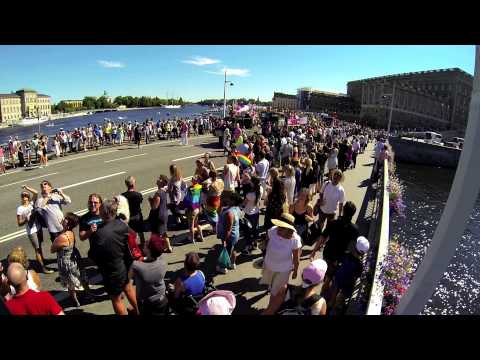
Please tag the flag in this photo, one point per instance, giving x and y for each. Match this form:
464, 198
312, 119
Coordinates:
244, 160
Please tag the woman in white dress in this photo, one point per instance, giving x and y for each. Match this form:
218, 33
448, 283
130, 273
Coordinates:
290, 183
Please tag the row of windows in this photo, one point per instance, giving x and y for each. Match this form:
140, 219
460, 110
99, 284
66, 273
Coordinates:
11, 109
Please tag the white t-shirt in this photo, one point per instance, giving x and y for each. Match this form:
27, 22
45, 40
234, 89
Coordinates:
333, 195
261, 169
290, 188
25, 212
230, 176
251, 207
279, 257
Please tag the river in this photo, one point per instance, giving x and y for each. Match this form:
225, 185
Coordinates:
426, 193
139, 115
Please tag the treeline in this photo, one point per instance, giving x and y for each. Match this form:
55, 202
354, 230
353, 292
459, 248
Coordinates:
145, 101
91, 103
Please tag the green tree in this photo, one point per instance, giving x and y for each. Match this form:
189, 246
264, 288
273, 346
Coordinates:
89, 102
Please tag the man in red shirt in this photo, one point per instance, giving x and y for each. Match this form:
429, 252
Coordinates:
26, 301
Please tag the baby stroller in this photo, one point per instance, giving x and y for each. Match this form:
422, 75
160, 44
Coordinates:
188, 304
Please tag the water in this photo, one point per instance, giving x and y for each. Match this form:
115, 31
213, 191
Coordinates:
24, 133
426, 193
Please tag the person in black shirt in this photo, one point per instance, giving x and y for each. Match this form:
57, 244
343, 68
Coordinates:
90, 221
109, 250
337, 237
135, 200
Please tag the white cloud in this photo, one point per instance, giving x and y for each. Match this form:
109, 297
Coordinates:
110, 64
231, 72
201, 61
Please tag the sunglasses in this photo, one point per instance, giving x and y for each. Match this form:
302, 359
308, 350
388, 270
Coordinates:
94, 202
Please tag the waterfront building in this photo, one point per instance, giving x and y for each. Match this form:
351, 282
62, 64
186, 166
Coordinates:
283, 101
10, 108
434, 99
73, 103
309, 99
23, 103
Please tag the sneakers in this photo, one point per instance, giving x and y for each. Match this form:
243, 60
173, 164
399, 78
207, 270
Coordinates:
221, 270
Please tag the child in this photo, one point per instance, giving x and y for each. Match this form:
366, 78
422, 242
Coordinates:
349, 270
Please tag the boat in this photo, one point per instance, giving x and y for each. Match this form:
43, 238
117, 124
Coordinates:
172, 106
32, 121
50, 124
122, 117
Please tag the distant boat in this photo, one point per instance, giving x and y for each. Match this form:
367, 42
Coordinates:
51, 124
32, 121
172, 106
121, 117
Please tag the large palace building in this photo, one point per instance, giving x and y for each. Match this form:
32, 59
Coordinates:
23, 104
435, 99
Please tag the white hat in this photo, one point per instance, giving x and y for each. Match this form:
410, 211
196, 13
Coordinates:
362, 244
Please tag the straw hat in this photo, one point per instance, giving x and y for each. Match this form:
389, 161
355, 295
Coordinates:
286, 221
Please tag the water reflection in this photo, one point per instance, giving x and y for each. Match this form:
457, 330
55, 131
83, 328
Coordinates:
426, 193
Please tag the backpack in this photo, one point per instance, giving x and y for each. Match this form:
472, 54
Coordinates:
292, 307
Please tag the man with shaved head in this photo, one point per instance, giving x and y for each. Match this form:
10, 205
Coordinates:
26, 301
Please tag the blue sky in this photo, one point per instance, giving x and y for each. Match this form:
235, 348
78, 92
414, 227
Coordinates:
195, 72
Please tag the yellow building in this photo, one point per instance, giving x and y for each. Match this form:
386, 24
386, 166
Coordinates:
10, 108
73, 103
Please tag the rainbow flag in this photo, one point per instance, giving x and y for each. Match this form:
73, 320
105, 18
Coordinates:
243, 159
192, 199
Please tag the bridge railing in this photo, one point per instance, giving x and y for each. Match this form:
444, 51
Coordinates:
374, 306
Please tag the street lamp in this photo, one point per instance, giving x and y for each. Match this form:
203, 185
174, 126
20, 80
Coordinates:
224, 93
391, 109
38, 116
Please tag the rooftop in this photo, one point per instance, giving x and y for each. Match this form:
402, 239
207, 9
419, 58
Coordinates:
9, 96
26, 90
451, 70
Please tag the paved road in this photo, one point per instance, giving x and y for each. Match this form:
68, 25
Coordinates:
103, 172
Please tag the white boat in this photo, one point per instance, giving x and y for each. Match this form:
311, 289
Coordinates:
32, 121
172, 106
50, 124
121, 117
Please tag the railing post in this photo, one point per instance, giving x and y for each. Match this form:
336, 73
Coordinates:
376, 294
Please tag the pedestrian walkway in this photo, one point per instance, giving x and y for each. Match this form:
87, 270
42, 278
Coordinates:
252, 298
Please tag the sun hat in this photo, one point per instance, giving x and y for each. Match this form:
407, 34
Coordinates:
218, 302
286, 220
362, 245
314, 273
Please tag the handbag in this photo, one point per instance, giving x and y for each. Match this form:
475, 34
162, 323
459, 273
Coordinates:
224, 259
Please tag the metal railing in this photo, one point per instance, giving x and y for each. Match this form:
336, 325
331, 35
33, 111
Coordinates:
375, 300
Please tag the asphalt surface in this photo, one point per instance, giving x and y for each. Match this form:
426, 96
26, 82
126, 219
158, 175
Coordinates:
104, 172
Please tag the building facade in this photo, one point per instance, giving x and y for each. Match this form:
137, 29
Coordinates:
10, 108
283, 101
73, 103
24, 103
435, 99
309, 99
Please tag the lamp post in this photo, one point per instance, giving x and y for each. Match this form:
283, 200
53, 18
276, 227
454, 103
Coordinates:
38, 116
224, 93
391, 110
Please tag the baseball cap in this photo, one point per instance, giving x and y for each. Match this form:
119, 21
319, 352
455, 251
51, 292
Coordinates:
218, 302
362, 245
314, 273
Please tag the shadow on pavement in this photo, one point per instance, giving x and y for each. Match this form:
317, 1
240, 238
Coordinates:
244, 305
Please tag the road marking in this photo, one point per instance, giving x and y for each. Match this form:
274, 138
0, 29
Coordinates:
11, 172
91, 180
188, 157
24, 181
54, 162
126, 157
81, 212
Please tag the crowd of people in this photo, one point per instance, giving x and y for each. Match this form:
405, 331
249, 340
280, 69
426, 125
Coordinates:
21, 154
293, 175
